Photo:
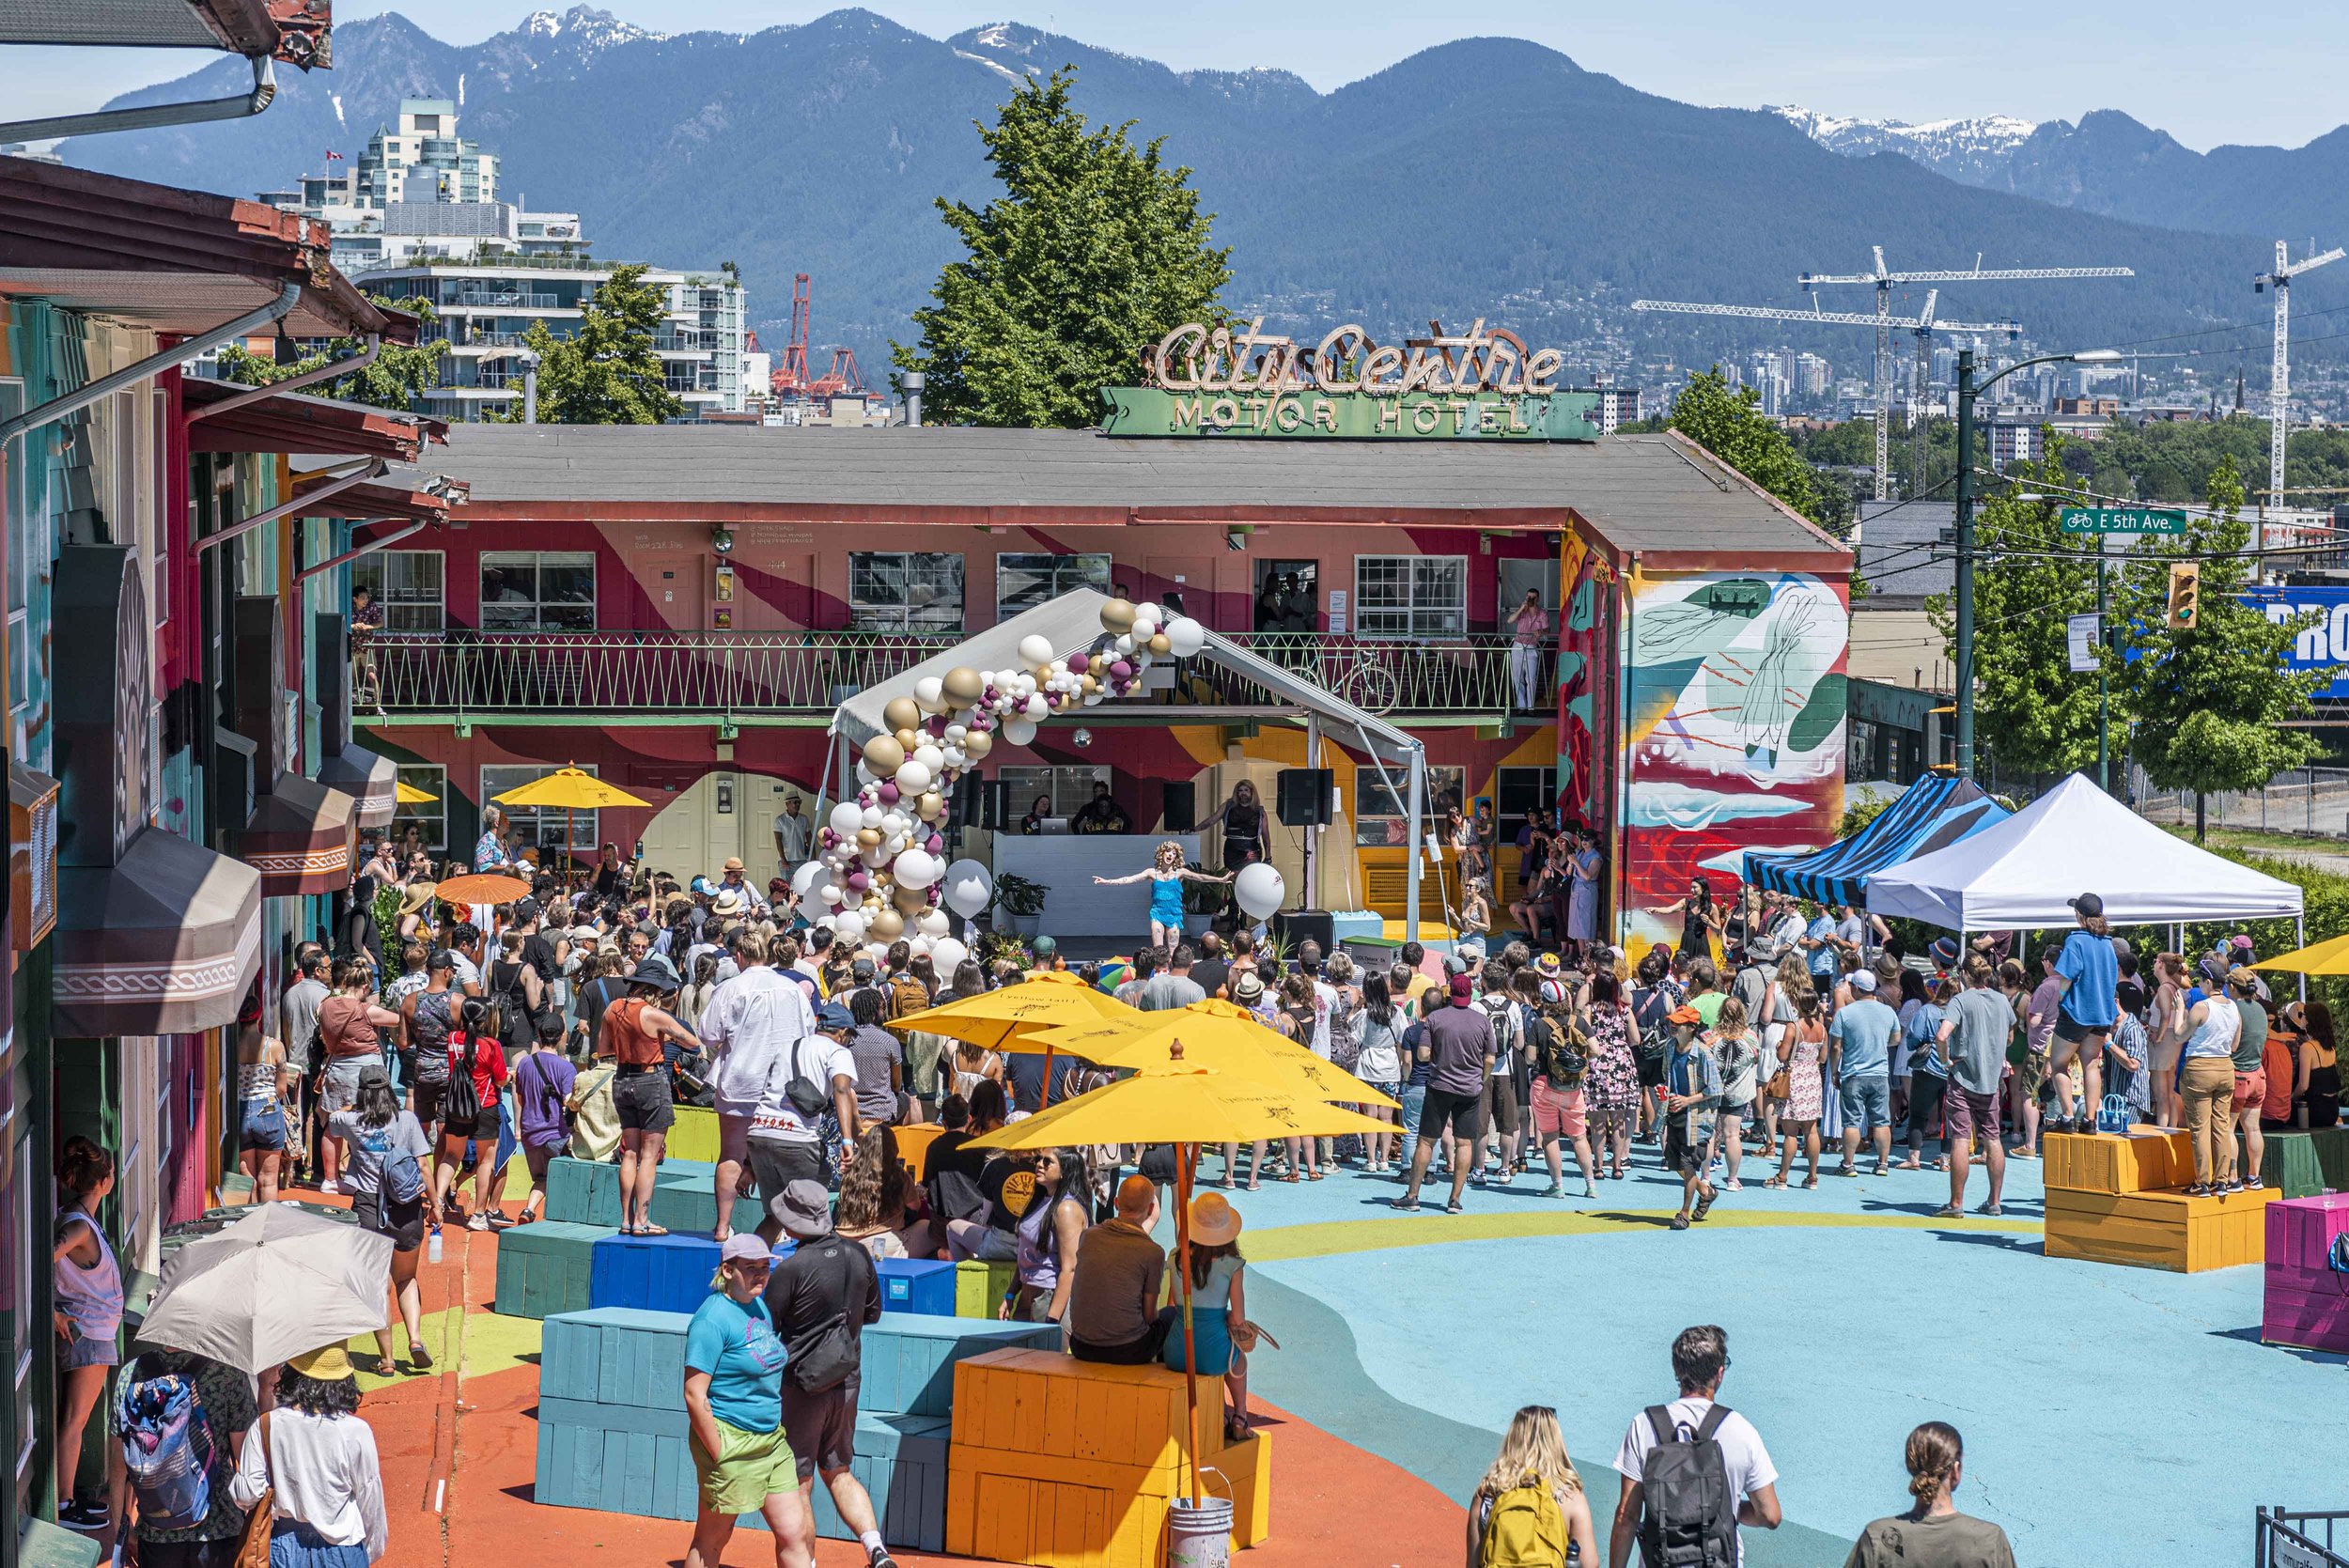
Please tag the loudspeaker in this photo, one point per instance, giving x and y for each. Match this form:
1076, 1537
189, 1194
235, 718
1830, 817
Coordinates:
995, 813
1307, 797
1295, 926
969, 790
1182, 806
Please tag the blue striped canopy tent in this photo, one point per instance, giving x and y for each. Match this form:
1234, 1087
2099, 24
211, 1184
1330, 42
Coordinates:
1932, 813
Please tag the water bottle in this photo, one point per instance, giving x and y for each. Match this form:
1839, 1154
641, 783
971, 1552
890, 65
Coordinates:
433, 1247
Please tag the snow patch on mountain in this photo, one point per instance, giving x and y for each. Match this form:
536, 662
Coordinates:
1971, 148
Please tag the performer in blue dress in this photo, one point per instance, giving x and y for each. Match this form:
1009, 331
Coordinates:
1166, 874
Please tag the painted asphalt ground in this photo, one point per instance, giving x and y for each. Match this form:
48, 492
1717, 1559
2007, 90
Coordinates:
2097, 1403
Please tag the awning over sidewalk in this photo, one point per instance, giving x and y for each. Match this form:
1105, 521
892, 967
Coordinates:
293, 422
369, 780
167, 941
301, 838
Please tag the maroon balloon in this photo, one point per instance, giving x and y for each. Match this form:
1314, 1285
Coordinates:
1078, 663
937, 725
1120, 670
859, 881
888, 793
937, 845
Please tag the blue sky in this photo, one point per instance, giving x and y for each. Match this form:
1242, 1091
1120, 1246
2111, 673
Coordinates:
2206, 74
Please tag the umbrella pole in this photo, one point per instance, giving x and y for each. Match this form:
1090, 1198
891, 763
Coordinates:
1044, 1097
1185, 1154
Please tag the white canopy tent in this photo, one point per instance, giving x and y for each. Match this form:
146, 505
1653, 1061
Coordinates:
2074, 839
1072, 624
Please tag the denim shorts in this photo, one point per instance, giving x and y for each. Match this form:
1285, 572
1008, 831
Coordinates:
1867, 1102
261, 1125
98, 1350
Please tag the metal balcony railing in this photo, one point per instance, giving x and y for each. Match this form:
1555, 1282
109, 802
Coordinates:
715, 674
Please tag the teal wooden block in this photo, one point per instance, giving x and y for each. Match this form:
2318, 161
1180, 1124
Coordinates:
584, 1191
644, 1419
901, 1462
908, 1360
544, 1268
684, 1173
616, 1471
614, 1355
693, 1210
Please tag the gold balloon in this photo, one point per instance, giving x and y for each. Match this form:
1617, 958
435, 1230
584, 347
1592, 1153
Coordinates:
962, 684
909, 738
977, 744
1159, 644
1117, 616
912, 901
1093, 683
902, 713
929, 805
886, 926
868, 838
884, 754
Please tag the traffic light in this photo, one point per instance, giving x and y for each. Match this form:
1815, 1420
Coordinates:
2186, 590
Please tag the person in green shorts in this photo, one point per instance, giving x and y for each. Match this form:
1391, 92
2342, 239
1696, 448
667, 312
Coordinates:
734, 1412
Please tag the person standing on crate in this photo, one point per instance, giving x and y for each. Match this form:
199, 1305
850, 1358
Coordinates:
734, 1377
821, 1298
750, 1022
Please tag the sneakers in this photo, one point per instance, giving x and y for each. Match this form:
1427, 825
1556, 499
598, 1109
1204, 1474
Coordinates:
878, 1558
77, 1514
332, 1188
1949, 1211
1555, 1189
478, 1222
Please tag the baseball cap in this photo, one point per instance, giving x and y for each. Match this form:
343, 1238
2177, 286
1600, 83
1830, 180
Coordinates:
862, 968
1472, 948
442, 960
1463, 990
525, 910
1863, 981
374, 1078
1684, 1014
1044, 947
832, 1016
746, 1244
2087, 903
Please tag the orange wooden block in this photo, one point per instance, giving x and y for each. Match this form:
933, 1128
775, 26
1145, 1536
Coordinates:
1043, 1402
2164, 1229
1064, 1513
913, 1143
2145, 1160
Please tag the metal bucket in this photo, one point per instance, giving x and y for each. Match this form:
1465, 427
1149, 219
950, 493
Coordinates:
1199, 1534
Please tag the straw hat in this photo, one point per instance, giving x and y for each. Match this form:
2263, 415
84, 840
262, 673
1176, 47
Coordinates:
1214, 1222
419, 894
328, 1363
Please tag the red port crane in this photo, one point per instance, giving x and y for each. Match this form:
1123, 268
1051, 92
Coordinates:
791, 378
842, 378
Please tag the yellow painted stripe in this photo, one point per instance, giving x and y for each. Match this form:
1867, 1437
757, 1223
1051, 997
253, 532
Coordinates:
1330, 1239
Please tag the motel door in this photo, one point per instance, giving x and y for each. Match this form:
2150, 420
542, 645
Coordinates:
712, 819
1516, 577
1193, 578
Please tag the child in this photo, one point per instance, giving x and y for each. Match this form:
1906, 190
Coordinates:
1220, 1330
1166, 874
1692, 1098
542, 1081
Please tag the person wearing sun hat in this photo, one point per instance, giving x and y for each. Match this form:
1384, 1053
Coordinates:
1220, 1330
314, 1460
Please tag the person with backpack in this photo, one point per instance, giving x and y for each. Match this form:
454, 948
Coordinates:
1501, 1084
1560, 1048
430, 1016
385, 1179
542, 1082
469, 1107
1529, 1509
821, 1298
180, 1420
1693, 1470
1692, 1100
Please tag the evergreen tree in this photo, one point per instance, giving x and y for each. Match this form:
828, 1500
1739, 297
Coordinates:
607, 373
393, 381
2210, 705
1094, 251
1731, 427
2032, 712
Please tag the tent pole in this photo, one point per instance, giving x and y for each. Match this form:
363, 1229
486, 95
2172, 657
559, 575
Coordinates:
1044, 1097
1415, 806
2300, 940
823, 782
1187, 1156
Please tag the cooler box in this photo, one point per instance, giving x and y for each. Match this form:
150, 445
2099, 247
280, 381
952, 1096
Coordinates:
657, 1273
545, 1268
916, 1286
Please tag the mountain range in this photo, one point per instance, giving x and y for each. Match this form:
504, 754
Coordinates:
1485, 178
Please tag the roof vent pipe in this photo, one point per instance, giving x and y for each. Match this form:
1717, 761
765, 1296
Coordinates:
911, 383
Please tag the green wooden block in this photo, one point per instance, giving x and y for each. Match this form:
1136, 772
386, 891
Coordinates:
2332, 1155
47, 1545
2291, 1165
543, 1268
980, 1287
692, 1208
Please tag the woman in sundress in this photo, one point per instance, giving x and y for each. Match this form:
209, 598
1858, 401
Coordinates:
1799, 1050
1612, 1088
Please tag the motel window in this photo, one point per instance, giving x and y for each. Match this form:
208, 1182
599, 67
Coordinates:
1413, 597
1518, 791
430, 820
538, 590
544, 827
1067, 789
1381, 817
899, 591
408, 585
1023, 581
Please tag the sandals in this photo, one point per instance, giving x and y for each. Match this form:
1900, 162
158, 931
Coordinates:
419, 1357
1810, 1184
1680, 1221
386, 1367
1704, 1204
1776, 1182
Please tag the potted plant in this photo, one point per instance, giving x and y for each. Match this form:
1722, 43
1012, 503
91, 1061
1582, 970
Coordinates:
1203, 901
1021, 901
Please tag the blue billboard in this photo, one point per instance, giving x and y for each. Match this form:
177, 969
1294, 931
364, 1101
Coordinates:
2324, 642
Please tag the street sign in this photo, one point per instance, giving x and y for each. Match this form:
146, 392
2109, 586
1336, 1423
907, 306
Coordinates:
2121, 519
2080, 635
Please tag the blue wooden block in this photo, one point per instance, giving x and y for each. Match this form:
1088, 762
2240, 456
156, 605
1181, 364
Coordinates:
659, 1273
609, 1468
583, 1191
908, 1360
922, 1285
614, 1355
543, 1268
901, 1461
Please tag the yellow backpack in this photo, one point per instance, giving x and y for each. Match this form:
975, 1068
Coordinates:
1526, 1528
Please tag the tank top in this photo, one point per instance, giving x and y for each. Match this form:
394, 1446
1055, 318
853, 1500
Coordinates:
633, 1044
257, 1081
91, 1296
2220, 1025
1040, 1245
435, 1018
344, 1028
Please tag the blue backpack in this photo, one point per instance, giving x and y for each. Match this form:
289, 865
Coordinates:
403, 1173
168, 1447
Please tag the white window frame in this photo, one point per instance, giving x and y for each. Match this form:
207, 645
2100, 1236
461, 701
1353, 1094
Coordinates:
1062, 565
1375, 827
1422, 621
24, 547
543, 829
426, 614
537, 560
415, 774
898, 619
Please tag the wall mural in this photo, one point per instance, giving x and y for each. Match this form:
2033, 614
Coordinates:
1734, 713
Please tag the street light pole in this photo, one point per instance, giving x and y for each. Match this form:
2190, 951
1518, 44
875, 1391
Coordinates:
2103, 672
1965, 587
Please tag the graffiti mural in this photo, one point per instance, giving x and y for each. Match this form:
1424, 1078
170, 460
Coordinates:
1734, 740
1585, 657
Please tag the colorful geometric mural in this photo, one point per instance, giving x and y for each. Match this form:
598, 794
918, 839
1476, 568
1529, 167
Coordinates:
1586, 656
1734, 716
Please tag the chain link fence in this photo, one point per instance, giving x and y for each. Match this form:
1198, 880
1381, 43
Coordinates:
2307, 801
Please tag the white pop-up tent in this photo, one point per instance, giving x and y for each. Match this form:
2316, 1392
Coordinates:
2021, 873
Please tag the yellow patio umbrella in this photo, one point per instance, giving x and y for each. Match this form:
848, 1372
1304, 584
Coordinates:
568, 790
2330, 956
408, 795
1012, 1019
1222, 1035
1183, 1103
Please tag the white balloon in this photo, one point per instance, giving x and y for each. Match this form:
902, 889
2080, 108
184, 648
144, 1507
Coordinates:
1185, 636
947, 953
846, 817
1035, 649
804, 878
956, 759
933, 924
893, 821
869, 817
916, 868
929, 693
1260, 890
919, 946
913, 777
956, 734
930, 757
1039, 707
863, 774
1124, 643
1146, 614
1019, 732
968, 888
829, 893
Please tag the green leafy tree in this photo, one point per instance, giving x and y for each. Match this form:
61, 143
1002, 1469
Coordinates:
398, 376
607, 372
2211, 705
1094, 250
2032, 711
1731, 427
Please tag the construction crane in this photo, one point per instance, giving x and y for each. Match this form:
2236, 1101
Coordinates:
790, 377
1884, 281
1923, 325
2280, 383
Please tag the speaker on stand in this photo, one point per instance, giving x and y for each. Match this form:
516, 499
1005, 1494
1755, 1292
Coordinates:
1305, 797
1182, 806
995, 811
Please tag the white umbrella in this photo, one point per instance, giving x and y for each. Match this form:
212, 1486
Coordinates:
274, 1285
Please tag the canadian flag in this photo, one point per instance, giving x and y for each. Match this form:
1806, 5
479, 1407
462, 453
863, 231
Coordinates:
334, 157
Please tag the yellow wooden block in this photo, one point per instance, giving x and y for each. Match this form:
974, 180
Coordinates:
2146, 1159
913, 1143
2164, 1229
1247, 1468
695, 1135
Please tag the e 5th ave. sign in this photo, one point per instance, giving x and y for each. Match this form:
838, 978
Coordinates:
1148, 410
2121, 519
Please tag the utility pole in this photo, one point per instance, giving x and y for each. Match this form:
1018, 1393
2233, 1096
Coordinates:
2103, 672
1964, 586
